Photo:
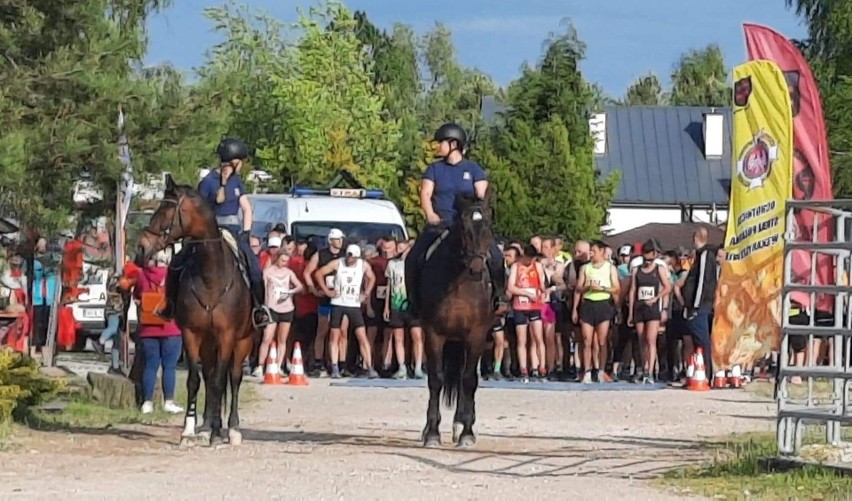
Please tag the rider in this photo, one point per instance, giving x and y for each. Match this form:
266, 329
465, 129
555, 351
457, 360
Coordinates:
225, 191
443, 180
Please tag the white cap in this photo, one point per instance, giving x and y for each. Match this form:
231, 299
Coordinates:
640, 260
335, 233
353, 251
625, 250
274, 242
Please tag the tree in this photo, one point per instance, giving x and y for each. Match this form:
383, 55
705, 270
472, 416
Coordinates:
330, 110
66, 67
645, 91
700, 79
541, 159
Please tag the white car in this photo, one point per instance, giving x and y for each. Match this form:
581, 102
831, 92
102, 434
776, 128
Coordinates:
90, 306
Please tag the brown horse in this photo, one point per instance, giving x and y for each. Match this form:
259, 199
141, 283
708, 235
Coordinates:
213, 307
457, 315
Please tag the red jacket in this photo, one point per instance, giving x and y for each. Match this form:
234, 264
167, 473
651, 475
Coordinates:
149, 280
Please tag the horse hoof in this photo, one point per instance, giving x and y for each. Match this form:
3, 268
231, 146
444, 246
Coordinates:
432, 442
457, 431
187, 441
235, 437
203, 438
466, 442
216, 441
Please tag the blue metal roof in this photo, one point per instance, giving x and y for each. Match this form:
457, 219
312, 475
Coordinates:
659, 151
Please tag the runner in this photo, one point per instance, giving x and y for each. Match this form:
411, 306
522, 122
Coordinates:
581, 258
281, 284
399, 319
526, 285
318, 260
649, 290
376, 323
551, 312
353, 284
593, 310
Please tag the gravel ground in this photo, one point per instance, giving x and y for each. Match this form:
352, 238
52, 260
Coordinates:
324, 442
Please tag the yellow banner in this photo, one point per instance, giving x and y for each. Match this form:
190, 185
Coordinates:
748, 302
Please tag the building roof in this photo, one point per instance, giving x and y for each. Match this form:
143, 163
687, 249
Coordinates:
670, 236
659, 151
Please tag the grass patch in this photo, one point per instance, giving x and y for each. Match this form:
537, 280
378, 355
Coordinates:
736, 472
80, 411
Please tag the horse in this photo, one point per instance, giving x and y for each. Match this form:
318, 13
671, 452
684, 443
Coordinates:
456, 315
213, 307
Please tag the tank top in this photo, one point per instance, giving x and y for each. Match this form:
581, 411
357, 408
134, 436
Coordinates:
601, 276
647, 285
325, 257
348, 280
528, 279
278, 285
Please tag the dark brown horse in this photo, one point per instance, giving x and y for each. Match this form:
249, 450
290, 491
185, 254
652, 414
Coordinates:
457, 315
213, 307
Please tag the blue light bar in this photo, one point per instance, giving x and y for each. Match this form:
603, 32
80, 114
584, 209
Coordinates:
339, 192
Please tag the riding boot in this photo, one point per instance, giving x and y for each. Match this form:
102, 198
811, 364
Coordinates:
261, 315
167, 312
497, 273
414, 262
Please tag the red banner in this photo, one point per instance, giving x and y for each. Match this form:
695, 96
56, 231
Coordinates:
811, 168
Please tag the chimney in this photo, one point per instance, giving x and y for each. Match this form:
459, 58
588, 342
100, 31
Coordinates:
714, 132
597, 127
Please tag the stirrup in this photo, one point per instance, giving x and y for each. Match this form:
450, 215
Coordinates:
261, 316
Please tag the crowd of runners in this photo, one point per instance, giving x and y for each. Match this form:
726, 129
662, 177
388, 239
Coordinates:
596, 314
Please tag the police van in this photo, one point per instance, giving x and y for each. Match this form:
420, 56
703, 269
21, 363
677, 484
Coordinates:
364, 215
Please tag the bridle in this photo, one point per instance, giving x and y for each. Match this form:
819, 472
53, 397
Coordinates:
177, 216
471, 257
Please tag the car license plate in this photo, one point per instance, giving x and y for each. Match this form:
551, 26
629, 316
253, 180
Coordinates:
92, 313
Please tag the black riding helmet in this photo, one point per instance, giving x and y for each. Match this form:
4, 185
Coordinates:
232, 149
451, 131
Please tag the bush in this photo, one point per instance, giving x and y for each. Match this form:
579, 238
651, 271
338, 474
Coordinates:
21, 385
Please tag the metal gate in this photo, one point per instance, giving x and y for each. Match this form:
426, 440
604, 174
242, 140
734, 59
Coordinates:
823, 400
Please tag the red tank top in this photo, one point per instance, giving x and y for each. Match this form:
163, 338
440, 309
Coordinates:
529, 279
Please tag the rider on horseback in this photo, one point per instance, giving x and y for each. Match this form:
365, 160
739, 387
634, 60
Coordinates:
450, 176
225, 191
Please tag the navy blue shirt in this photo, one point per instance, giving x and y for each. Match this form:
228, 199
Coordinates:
234, 189
452, 180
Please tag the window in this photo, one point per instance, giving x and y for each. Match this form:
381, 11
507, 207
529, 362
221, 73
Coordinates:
355, 232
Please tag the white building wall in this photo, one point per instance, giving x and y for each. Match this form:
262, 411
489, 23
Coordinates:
620, 219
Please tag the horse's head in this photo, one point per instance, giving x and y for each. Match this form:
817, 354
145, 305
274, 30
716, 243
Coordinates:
181, 214
475, 222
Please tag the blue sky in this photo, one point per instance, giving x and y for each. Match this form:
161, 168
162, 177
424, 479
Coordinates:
625, 38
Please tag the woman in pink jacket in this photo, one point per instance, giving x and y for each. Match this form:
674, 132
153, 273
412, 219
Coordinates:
161, 342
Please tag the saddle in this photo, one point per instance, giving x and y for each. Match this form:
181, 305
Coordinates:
242, 260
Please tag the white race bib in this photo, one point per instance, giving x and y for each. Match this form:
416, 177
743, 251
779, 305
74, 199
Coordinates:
646, 292
350, 294
524, 300
381, 291
281, 294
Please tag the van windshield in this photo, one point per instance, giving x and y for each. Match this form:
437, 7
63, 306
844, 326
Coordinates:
355, 232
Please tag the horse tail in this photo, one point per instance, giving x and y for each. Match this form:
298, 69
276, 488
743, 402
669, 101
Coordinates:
454, 362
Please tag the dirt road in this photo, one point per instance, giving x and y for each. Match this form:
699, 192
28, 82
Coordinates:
324, 442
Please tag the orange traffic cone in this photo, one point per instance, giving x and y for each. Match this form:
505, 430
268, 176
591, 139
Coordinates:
720, 381
736, 377
297, 369
273, 372
699, 379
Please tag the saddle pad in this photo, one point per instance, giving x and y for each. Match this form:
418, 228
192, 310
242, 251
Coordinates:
231, 240
432, 248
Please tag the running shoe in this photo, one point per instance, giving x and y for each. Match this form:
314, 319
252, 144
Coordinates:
401, 373
335, 373
172, 408
418, 374
147, 407
372, 373
587, 378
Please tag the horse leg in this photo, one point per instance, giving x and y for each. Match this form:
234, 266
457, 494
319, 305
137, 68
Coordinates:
193, 383
435, 364
220, 384
241, 351
208, 368
470, 381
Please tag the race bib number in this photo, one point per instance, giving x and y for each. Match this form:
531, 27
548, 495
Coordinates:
329, 281
594, 282
281, 294
524, 300
645, 293
350, 293
381, 292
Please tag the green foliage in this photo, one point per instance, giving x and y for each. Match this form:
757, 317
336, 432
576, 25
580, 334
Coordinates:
700, 79
541, 160
645, 91
21, 385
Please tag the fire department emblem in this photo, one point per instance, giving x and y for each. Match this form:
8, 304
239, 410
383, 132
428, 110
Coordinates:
755, 161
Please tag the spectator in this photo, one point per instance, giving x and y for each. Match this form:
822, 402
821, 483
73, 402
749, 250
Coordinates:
161, 339
699, 292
